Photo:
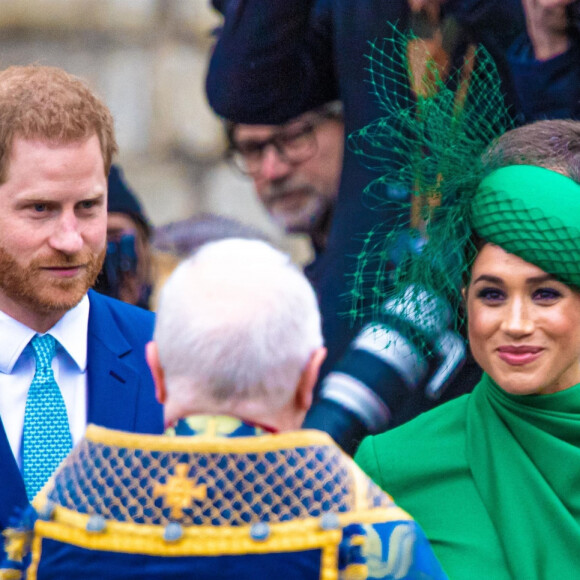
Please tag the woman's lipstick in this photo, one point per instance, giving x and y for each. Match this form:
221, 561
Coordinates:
519, 355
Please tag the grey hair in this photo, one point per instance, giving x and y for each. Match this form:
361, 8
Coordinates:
236, 325
185, 236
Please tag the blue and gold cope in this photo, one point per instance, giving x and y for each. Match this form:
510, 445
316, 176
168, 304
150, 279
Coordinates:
216, 498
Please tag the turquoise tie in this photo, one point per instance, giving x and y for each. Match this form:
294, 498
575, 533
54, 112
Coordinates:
46, 438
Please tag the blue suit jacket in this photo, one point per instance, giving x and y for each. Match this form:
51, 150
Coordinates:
121, 393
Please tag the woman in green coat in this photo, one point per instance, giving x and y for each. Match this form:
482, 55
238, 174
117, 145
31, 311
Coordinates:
494, 477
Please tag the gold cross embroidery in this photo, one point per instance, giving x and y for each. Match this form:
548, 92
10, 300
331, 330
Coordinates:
179, 491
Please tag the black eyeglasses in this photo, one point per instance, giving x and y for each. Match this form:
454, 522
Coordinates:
294, 143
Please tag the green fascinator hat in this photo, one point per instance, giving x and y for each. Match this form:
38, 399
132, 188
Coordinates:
533, 213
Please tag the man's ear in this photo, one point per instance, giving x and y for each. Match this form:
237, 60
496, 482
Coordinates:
152, 357
308, 378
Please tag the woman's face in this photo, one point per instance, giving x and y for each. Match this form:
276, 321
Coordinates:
524, 325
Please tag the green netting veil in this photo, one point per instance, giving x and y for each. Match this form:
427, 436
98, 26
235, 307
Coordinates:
429, 149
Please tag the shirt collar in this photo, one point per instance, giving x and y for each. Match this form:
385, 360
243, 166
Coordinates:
70, 331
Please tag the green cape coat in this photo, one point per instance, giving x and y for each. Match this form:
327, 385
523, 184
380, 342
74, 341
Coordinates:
493, 479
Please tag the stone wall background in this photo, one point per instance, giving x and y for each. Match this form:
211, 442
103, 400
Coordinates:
147, 59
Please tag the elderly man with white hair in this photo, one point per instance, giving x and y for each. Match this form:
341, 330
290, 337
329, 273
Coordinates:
233, 489
238, 334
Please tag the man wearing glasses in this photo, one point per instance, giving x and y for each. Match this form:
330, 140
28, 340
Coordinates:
295, 168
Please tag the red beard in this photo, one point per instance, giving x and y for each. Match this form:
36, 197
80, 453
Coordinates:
32, 287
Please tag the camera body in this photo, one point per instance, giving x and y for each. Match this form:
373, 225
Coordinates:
412, 352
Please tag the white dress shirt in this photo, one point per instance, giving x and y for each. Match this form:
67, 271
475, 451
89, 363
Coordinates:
18, 365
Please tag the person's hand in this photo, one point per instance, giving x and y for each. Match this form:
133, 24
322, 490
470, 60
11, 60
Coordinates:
546, 22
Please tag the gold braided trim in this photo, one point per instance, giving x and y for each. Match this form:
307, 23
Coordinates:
70, 527
363, 486
196, 541
355, 572
10, 575
270, 442
65, 518
306, 534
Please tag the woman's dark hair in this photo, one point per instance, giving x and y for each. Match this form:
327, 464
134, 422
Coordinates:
553, 144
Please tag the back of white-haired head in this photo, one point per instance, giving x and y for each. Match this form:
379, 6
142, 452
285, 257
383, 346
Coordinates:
236, 325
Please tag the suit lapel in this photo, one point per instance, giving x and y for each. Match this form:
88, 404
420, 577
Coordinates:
112, 384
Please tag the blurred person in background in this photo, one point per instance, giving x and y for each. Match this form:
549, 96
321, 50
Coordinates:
295, 168
180, 238
175, 241
545, 60
127, 272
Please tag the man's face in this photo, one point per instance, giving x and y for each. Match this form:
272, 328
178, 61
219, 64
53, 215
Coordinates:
298, 195
53, 223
